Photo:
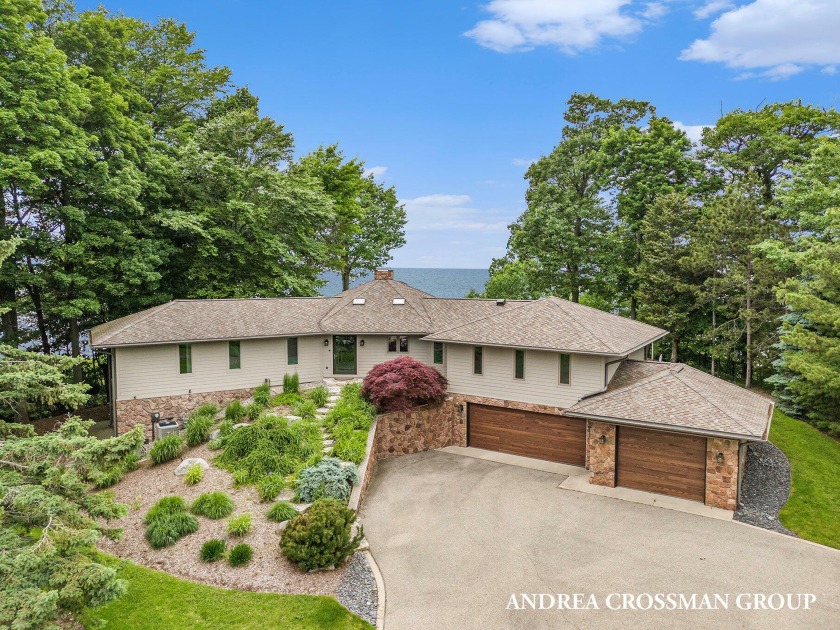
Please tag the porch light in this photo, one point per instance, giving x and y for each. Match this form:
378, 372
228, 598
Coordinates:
326, 342
602, 439
362, 343
719, 458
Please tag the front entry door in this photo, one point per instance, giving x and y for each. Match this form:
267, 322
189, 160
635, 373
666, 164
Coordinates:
344, 354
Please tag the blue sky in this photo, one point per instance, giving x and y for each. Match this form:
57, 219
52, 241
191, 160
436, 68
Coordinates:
449, 101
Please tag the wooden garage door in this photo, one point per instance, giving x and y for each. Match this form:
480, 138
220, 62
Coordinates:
539, 435
667, 463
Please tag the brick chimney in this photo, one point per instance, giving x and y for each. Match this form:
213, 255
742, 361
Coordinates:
383, 274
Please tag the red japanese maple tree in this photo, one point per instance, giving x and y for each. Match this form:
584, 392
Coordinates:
403, 383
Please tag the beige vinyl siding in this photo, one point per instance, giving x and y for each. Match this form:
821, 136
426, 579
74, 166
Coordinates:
612, 368
540, 385
152, 371
638, 355
375, 351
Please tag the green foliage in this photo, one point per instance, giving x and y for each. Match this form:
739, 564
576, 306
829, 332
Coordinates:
166, 449
318, 395
320, 537
213, 550
291, 383
234, 412
352, 447
50, 520
262, 396
240, 525
207, 409
198, 428
329, 479
252, 412
213, 505
240, 555
194, 474
270, 486
168, 521
281, 511
289, 400
306, 409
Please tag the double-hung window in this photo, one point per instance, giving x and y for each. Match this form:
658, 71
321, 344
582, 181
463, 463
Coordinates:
478, 360
565, 369
519, 364
398, 343
185, 358
438, 353
234, 355
292, 350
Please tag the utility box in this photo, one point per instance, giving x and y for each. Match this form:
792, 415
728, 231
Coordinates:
165, 427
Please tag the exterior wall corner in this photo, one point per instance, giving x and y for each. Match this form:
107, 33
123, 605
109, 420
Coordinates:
722, 477
601, 457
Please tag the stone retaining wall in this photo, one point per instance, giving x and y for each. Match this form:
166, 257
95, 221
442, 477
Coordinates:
139, 410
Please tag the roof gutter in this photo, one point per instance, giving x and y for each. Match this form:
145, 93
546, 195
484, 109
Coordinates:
665, 427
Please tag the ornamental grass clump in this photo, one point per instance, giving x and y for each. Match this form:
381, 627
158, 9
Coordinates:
270, 486
213, 550
306, 409
207, 409
240, 555
328, 479
168, 521
291, 383
166, 449
262, 396
198, 428
194, 474
320, 538
319, 395
234, 411
281, 511
403, 383
240, 525
213, 505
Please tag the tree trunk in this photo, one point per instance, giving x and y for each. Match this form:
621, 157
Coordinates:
674, 345
345, 280
714, 336
76, 349
35, 294
633, 305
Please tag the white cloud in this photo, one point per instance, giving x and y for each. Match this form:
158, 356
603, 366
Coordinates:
451, 212
438, 201
376, 171
522, 161
694, 132
775, 39
570, 25
712, 7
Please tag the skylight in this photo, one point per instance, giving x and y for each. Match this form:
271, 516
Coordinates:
358, 301
399, 300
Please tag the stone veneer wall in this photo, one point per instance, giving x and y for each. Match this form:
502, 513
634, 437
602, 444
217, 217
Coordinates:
722, 479
509, 404
138, 410
600, 458
424, 428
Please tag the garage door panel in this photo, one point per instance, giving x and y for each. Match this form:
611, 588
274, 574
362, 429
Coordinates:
667, 463
526, 433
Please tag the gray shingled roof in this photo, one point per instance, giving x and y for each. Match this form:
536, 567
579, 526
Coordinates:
550, 323
678, 396
555, 324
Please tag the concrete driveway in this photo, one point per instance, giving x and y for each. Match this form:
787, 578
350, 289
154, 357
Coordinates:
455, 537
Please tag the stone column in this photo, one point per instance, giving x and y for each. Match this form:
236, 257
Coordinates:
722, 476
601, 456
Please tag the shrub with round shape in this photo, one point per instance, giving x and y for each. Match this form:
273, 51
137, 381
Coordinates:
171, 504
240, 525
213, 550
403, 383
320, 537
168, 521
240, 555
166, 449
213, 505
328, 479
282, 511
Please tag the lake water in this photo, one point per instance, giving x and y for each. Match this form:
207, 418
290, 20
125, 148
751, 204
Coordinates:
449, 283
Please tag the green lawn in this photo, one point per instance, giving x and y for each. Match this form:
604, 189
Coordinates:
157, 600
813, 510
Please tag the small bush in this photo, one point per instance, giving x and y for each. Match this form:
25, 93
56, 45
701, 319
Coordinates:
166, 449
306, 409
207, 409
262, 396
240, 525
318, 395
213, 550
270, 486
166, 505
194, 474
282, 511
234, 411
352, 447
240, 555
225, 427
241, 477
198, 429
291, 383
328, 479
320, 537
252, 412
289, 400
215, 445
403, 383
213, 505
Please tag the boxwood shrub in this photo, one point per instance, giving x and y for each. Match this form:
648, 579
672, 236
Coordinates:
320, 537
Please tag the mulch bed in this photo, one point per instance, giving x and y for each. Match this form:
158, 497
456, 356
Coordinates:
765, 487
268, 572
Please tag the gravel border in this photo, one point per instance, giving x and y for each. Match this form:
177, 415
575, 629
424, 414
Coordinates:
357, 591
765, 487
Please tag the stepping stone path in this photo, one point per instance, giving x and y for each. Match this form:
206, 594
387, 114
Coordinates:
334, 388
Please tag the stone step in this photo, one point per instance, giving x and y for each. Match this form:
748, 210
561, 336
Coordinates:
326, 450
329, 442
322, 410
